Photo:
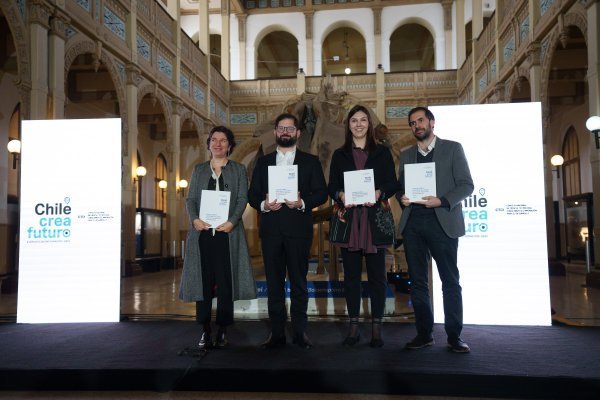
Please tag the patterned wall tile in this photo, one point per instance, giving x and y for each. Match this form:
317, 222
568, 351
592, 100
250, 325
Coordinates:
143, 48
184, 83
482, 83
85, 4
21, 6
243, 119
509, 49
221, 114
524, 29
545, 5
115, 24
165, 66
199, 94
397, 112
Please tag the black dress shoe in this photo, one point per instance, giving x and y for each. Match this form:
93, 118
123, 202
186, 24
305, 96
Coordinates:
273, 342
302, 341
376, 342
205, 342
351, 340
458, 346
419, 342
221, 341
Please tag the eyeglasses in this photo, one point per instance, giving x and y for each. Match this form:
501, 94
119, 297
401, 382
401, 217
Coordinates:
286, 129
414, 123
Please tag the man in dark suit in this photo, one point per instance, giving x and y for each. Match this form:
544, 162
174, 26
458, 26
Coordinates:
286, 230
431, 227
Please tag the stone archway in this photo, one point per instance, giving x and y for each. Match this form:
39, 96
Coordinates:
518, 88
82, 45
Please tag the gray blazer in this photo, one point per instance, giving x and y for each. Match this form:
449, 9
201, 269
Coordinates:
453, 181
235, 180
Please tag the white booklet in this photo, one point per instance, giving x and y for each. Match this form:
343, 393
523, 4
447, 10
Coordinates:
359, 187
283, 183
214, 207
419, 181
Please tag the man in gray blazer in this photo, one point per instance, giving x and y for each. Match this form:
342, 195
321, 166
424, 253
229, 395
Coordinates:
431, 227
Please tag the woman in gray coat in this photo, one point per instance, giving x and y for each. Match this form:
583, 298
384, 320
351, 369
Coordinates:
217, 261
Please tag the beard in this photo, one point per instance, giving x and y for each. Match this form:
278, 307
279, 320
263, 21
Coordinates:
286, 141
424, 135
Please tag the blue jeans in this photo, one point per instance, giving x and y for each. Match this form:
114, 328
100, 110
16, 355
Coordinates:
424, 238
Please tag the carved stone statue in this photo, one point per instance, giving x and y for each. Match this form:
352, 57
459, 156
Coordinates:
321, 119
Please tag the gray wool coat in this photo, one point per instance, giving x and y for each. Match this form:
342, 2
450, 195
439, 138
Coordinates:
235, 180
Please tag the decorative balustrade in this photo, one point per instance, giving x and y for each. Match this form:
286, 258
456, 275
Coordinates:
486, 39
465, 72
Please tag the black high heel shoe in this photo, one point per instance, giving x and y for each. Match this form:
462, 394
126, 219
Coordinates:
376, 340
221, 340
353, 334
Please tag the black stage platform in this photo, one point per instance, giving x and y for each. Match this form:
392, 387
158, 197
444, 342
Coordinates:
523, 362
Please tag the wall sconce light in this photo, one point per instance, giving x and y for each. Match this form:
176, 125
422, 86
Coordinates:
14, 148
162, 184
181, 187
347, 70
593, 124
300, 70
140, 172
557, 160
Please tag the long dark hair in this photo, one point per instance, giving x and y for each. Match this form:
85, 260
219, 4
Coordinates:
348, 142
228, 133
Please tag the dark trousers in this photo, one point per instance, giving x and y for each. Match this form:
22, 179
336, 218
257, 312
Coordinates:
280, 254
352, 281
216, 278
424, 237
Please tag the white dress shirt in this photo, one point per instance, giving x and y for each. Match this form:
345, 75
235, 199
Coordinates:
283, 159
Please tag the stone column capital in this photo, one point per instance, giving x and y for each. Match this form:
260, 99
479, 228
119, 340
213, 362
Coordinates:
58, 23
242, 26
40, 12
447, 5
178, 107
308, 23
376, 20
534, 52
500, 92
133, 74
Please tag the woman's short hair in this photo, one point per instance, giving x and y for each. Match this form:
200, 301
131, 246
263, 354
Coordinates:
228, 133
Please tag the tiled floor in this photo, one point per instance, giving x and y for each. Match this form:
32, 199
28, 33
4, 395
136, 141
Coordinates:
155, 295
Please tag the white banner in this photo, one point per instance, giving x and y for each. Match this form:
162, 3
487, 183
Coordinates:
503, 259
70, 226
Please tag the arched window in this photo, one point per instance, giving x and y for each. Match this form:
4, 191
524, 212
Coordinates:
215, 51
412, 49
277, 55
160, 195
344, 49
571, 167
